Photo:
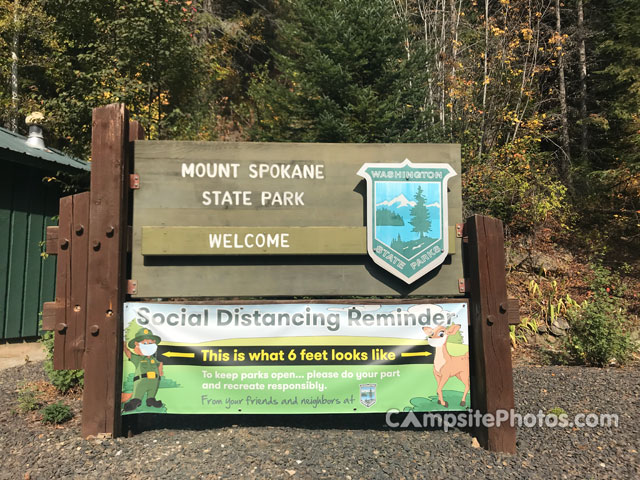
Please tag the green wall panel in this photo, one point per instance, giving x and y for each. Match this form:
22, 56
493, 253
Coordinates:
27, 279
6, 196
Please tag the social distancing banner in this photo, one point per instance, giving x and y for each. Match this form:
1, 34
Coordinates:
295, 358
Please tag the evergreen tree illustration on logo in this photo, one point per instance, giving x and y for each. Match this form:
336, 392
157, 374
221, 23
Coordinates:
420, 215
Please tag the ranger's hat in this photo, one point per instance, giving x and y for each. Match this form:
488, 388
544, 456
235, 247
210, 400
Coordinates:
143, 334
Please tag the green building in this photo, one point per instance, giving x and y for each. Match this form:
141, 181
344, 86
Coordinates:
28, 204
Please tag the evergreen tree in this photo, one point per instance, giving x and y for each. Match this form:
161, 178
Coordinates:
136, 52
340, 74
420, 215
616, 123
609, 194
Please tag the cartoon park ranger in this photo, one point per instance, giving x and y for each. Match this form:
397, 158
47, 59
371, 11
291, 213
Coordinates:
146, 378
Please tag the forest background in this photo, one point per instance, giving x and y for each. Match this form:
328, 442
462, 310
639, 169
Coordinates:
542, 95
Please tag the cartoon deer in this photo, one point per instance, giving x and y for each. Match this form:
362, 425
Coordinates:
446, 366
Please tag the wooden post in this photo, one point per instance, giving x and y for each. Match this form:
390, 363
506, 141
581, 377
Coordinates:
77, 296
71, 287
136, 132
107, 270
490, 349
63, 282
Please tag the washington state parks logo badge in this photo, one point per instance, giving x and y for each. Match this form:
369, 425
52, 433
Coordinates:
407, 222
368, 394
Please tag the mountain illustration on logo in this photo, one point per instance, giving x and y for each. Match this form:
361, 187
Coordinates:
400, 200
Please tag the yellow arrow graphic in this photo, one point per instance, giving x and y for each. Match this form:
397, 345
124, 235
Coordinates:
179, 354
415, 354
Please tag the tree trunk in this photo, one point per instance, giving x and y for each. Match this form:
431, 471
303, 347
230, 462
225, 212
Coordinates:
485, 76
582, 61
402, 12
13, 117
564, 162
425, 9
443, 75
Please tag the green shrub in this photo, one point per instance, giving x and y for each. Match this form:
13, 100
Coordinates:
517, 184
28, 400
63, 380
56, 413
597, 333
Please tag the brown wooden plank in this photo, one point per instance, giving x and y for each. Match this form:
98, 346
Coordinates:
166, 198
297, 276
259, 240
51, 247
513, 311
254, 241
77, 297
51, 312
107, 270
490, 349
63, 282
136, 131
337, 301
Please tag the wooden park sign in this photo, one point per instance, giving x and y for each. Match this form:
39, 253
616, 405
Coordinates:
309, 229
297, 210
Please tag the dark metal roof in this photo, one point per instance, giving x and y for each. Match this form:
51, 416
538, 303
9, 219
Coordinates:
13, 147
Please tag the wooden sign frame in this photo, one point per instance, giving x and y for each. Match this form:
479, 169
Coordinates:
93, 242
327, 252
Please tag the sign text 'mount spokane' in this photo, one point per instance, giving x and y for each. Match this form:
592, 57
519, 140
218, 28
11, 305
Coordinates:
255, 170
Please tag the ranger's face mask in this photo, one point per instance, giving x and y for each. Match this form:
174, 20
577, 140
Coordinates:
148, 349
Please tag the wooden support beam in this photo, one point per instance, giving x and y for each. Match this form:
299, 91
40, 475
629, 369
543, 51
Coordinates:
67, 315
513, 311
63, 281
492, 376
51, 312
107, 270
51, 246
76, 301
136, 132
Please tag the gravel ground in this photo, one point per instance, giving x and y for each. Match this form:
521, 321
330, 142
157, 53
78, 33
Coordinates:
347, 447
